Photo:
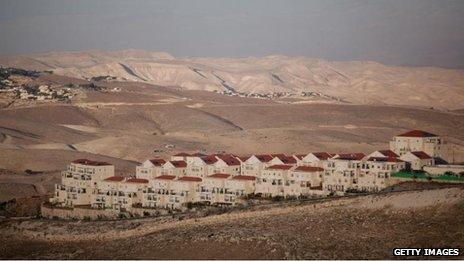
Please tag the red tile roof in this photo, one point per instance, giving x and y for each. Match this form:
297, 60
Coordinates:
264, 157
389, 153
385, 159
243, 177
219, 175
351, 156
188, 178
229, 159
115, 178
179, 163
280, 167
168, 177
308, 169
323, 155
421, 154
90, 162
417, 133
287, 159
284, 158
157, 162
134, 180
211, 159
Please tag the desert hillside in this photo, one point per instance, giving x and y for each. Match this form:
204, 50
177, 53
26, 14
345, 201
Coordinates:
351, 82
367, 227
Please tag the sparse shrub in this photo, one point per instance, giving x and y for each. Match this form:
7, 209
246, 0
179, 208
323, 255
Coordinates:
32, 90
354, 190
191, 205
291, 198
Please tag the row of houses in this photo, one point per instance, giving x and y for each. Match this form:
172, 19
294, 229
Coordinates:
225, 179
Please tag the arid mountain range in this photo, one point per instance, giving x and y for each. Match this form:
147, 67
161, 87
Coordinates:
153, 105
130, 119
357, 82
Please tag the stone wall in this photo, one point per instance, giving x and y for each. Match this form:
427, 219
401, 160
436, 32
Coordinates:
78, 212
85, 212
141, 212
442, 169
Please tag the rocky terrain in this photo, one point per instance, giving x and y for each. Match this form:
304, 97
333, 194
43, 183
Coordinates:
353, 228
125, 107
358, 82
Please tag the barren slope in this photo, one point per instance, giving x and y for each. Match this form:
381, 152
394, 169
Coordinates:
354, 82
361, 228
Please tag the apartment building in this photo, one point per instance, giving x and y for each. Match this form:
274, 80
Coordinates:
119, 193
417, 160
183, 190
315, 159
176, 168
79, 181
375, 173
417, 140
383, 154
221, 163
272, 179
282, 159
255, 164
150, 169
158, 191
215, 191
223, 179
341, 172
304, 180
240, 186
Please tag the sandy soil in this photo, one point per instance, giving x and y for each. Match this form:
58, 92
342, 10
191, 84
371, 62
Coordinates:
367, 227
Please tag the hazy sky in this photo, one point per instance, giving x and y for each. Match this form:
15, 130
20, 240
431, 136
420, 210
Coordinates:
402, 32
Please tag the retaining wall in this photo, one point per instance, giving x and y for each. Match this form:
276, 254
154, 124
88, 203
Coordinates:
77, 213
